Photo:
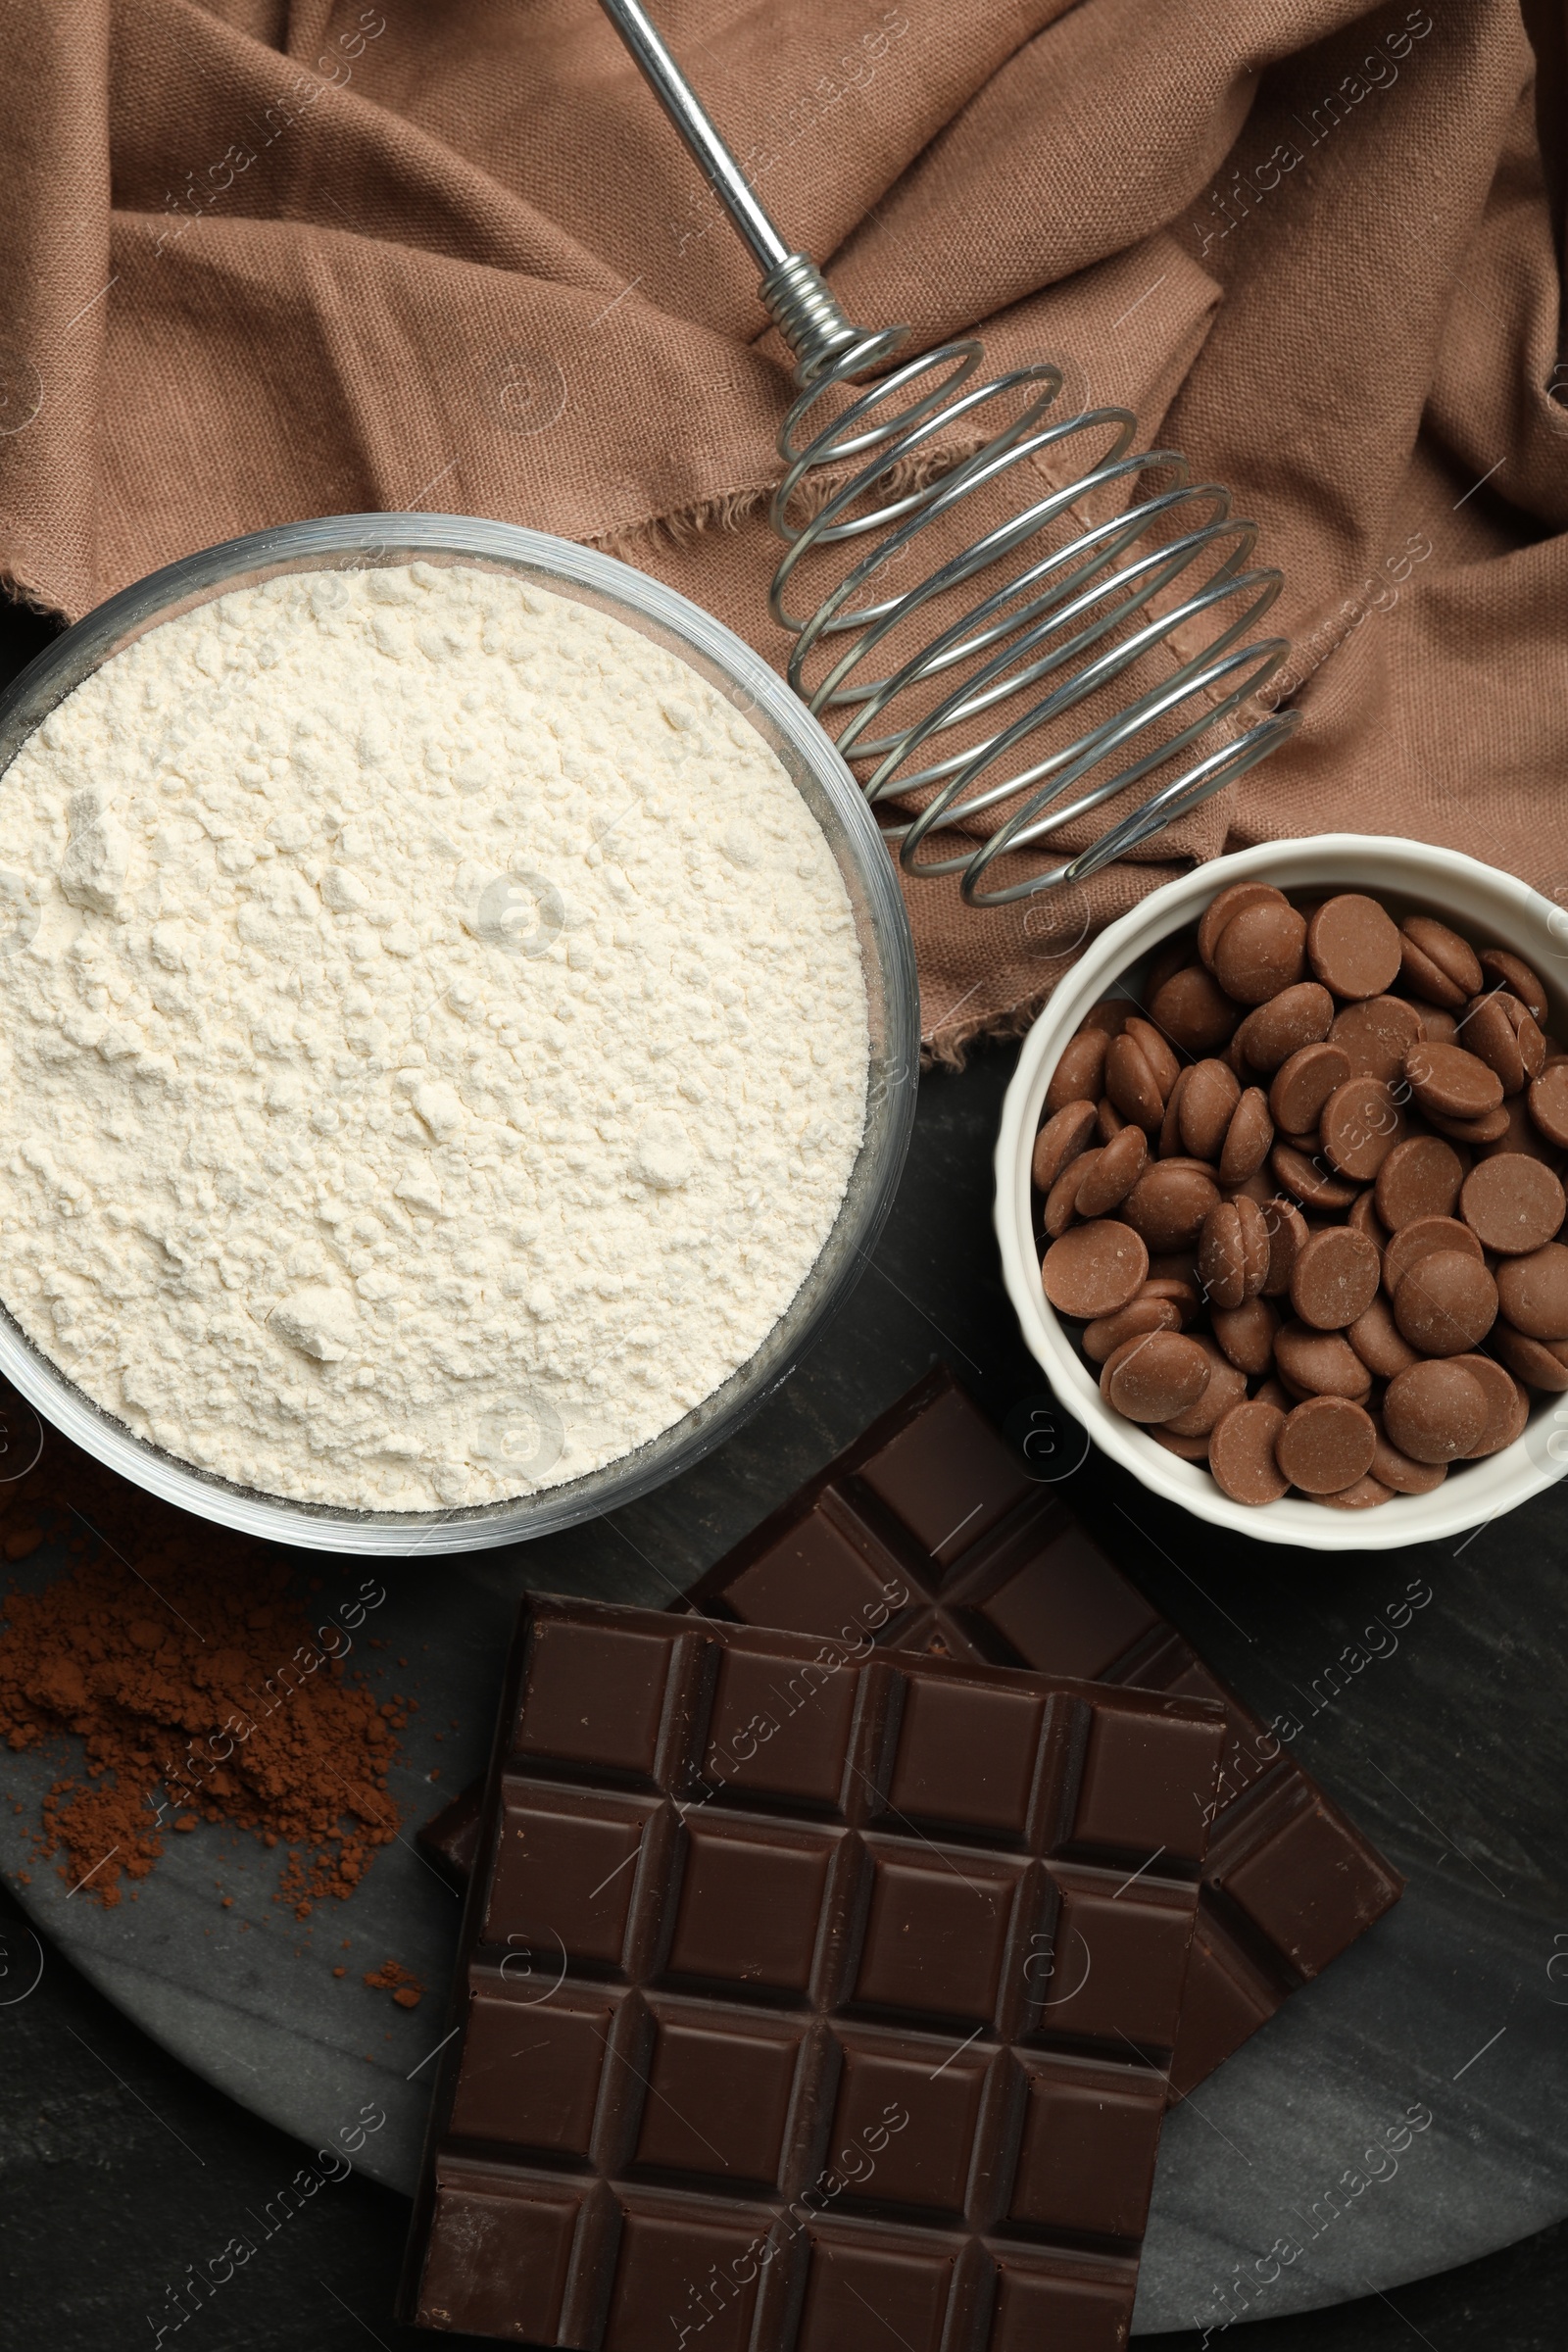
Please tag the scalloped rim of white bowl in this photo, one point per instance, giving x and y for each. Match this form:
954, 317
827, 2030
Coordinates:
1494, 906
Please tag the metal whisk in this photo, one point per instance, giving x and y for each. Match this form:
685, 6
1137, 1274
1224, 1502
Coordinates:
1084, 609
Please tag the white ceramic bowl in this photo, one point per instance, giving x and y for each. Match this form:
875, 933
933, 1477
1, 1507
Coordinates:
1494, 909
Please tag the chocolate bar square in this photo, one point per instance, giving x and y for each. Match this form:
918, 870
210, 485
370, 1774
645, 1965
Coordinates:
500, 2254
719, 2095
803, 1982
566, 1864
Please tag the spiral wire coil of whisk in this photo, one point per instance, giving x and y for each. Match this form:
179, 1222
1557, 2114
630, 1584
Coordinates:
1072, 618
1083, 610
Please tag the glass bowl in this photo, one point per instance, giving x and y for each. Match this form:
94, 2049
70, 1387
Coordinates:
353, 542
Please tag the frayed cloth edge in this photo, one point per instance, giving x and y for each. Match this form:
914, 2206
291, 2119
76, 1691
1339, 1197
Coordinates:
728, 509
949, 1049
31, 596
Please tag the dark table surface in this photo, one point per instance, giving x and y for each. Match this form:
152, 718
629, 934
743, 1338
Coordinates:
120, 2171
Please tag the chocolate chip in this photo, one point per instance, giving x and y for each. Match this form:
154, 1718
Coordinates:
1518, 979
1108, 1121
1156, 1051
1186, 1449
1259, 1187
1512, 1203
1326, 1444
1179, 951
1309, 1180
1226, 1386
1434, 1412
1094, 1269
1249, 1138
1377, 1034
1229, 902
1533, 1292
1193, 1008
1507, 1405
1168, 1203
1208, 1104
1110, 1014
1260, 951
1548, 1104
1423, 1238
1427, 980
1303, 1084
1178, 1289
1362, 1213
1528, 1034
1490, 1035
1298, 1017
1361, 1124
1246, 1334
1335, 1278
1169, 1146
1541, 1363
1398, 1471
1077, 1076
1241, 1452
1113, 1172
1438, 1025
1450, 1082
1258, 1245
1288, 1235
1377, 1341
1446, 1303
1420, 1178
1435, 955
1233, 1252
1221, 1264
1130, 1084
1142, 1314
1490, 1128
1523, 1135
1364, 1494
1061, 1202
1153, 1377
1320, 1363
1063, 1137
1195, 1167
1353, 946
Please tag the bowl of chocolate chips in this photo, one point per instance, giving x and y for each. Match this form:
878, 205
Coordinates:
1280, 1192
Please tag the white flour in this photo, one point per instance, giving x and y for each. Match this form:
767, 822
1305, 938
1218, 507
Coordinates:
432, 1038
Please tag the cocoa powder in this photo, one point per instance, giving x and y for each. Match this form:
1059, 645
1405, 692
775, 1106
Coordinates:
400, 1982
204, 1682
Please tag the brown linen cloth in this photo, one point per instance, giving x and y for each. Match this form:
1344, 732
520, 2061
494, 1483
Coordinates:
261, 260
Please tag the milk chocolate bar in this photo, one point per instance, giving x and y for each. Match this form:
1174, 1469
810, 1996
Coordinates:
931, 1516
809, 1990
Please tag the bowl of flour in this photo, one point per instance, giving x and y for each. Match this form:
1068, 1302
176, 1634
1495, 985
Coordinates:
458, 1033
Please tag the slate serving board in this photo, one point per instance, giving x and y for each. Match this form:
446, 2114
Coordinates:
1294, 2179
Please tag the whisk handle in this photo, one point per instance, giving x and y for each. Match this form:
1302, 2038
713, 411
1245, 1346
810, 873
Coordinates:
691, 119
792, 288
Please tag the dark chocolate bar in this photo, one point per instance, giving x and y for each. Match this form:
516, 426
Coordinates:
809, 1990
932, 1511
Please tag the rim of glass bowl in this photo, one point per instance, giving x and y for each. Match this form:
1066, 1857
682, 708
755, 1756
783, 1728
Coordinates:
355, 542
